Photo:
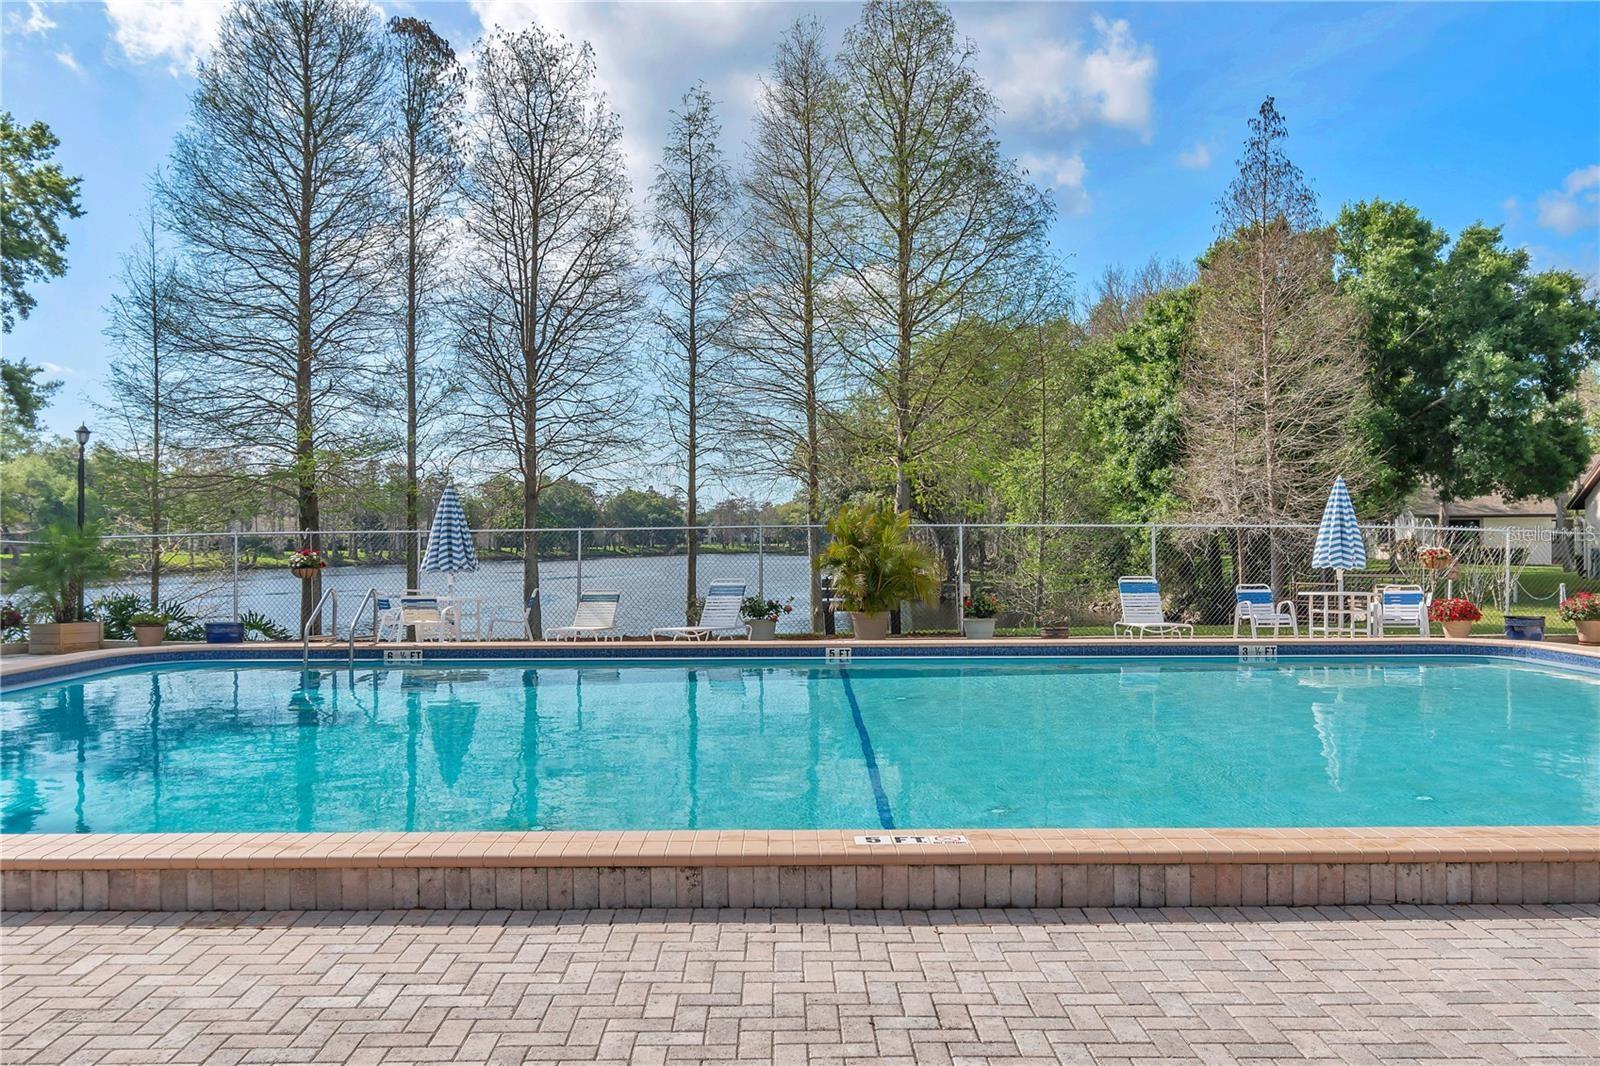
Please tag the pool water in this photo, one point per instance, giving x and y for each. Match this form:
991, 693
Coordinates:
923, 743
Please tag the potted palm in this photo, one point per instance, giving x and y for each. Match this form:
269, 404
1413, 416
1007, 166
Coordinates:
53, 575
761, 615
875, 565
1582, 609
978, 615
149, 628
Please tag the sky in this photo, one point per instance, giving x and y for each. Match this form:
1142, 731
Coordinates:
1131, 114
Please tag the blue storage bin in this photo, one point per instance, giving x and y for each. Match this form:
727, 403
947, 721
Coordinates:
1524, 627
224, 632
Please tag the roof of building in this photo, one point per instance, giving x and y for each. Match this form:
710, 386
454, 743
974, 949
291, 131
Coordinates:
1587, 486
1426, 505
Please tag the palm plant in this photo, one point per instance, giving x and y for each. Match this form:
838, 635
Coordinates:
59, 567
872, 560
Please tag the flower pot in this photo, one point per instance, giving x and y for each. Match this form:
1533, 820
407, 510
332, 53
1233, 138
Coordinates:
1457, 630
149, 636
305, 573
978, 628
55, 638
762, 628
1588, 632
1055, 632
869, 625
1441, 562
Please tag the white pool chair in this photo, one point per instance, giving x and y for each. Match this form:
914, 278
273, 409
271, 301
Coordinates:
719, 616
521, 623
1254, 604
1399, 607
595, 616
1141, 610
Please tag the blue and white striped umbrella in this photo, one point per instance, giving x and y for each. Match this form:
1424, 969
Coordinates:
1339, 543
450, 549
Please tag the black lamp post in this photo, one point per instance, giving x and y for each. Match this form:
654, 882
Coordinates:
83, 444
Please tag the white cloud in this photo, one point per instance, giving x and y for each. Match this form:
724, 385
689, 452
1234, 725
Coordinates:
35, 22
1064, 173
1575, 206
1197, 157
178, 31
70, 61
1053, 83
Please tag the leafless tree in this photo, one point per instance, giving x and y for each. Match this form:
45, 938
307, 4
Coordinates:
786, 376
146, 379
276, 189
1273, 391
1120, 294
424, 165
939, 232
550, 303
694, 222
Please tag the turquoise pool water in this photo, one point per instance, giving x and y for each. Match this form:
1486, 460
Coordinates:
923, 743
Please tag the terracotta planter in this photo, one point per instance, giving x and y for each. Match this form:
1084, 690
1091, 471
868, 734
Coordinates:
978, 628
149, 636
869, 625
1457, 630
1588, 632
305, 573
55, 638
1443, 562
762, 628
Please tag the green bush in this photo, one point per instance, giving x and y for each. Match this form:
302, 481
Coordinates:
872, 560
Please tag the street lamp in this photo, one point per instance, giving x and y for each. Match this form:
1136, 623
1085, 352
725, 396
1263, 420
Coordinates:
83, 444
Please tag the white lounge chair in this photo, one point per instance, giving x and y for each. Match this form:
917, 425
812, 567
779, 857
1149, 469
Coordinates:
595, 616
719, 615
1399, 607
1141, 609
1254, 604
522, 623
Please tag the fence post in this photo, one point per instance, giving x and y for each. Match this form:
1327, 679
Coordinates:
1153, 575
761, 561
236, 577
1507, 600
580, 562
961, 577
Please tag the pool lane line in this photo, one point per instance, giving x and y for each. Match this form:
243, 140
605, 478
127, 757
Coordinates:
885, 812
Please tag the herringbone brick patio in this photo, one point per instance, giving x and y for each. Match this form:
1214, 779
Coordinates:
1357, 984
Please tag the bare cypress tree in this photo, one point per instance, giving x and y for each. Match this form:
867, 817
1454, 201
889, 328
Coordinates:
785, 374
1273, 391
547, 315
424, 164
940, 231
696, 228
147, 377
276, 189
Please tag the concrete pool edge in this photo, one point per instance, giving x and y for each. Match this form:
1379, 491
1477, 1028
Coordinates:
992, 868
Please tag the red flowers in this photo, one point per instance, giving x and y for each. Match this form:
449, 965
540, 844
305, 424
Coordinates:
1580, 607
1454, 609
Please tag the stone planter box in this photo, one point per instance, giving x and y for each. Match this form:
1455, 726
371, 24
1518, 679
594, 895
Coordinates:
762, 628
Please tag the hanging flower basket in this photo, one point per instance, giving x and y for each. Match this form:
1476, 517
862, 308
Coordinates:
306, 563
1436, 558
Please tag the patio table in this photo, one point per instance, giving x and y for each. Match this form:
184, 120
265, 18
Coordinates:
1336, 612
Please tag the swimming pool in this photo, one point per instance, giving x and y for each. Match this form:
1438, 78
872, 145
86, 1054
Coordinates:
921, 742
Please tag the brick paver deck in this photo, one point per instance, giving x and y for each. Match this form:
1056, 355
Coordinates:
1358, 984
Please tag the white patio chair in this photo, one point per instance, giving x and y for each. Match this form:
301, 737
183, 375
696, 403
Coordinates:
523, 622
430, 620
1254, 604
595, 616
719, 615
1141, 610
1399, 607
389, 625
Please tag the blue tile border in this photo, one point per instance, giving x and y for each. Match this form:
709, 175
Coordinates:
1539, 653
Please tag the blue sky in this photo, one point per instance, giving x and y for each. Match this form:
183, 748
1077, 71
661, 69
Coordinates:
1131, 113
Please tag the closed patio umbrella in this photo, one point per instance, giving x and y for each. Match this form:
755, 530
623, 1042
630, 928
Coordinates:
1339, 544
450, 548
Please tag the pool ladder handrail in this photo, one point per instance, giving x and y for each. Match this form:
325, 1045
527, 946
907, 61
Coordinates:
372, 598
330, 596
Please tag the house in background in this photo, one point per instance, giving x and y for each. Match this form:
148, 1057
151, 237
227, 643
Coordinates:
1534, 520
1583, 510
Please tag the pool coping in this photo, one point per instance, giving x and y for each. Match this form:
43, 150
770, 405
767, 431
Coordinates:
984, 867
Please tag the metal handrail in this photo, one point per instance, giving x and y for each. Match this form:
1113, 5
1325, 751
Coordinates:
372, 597
330, 595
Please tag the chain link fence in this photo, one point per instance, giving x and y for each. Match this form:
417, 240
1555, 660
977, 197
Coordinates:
1043, 575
